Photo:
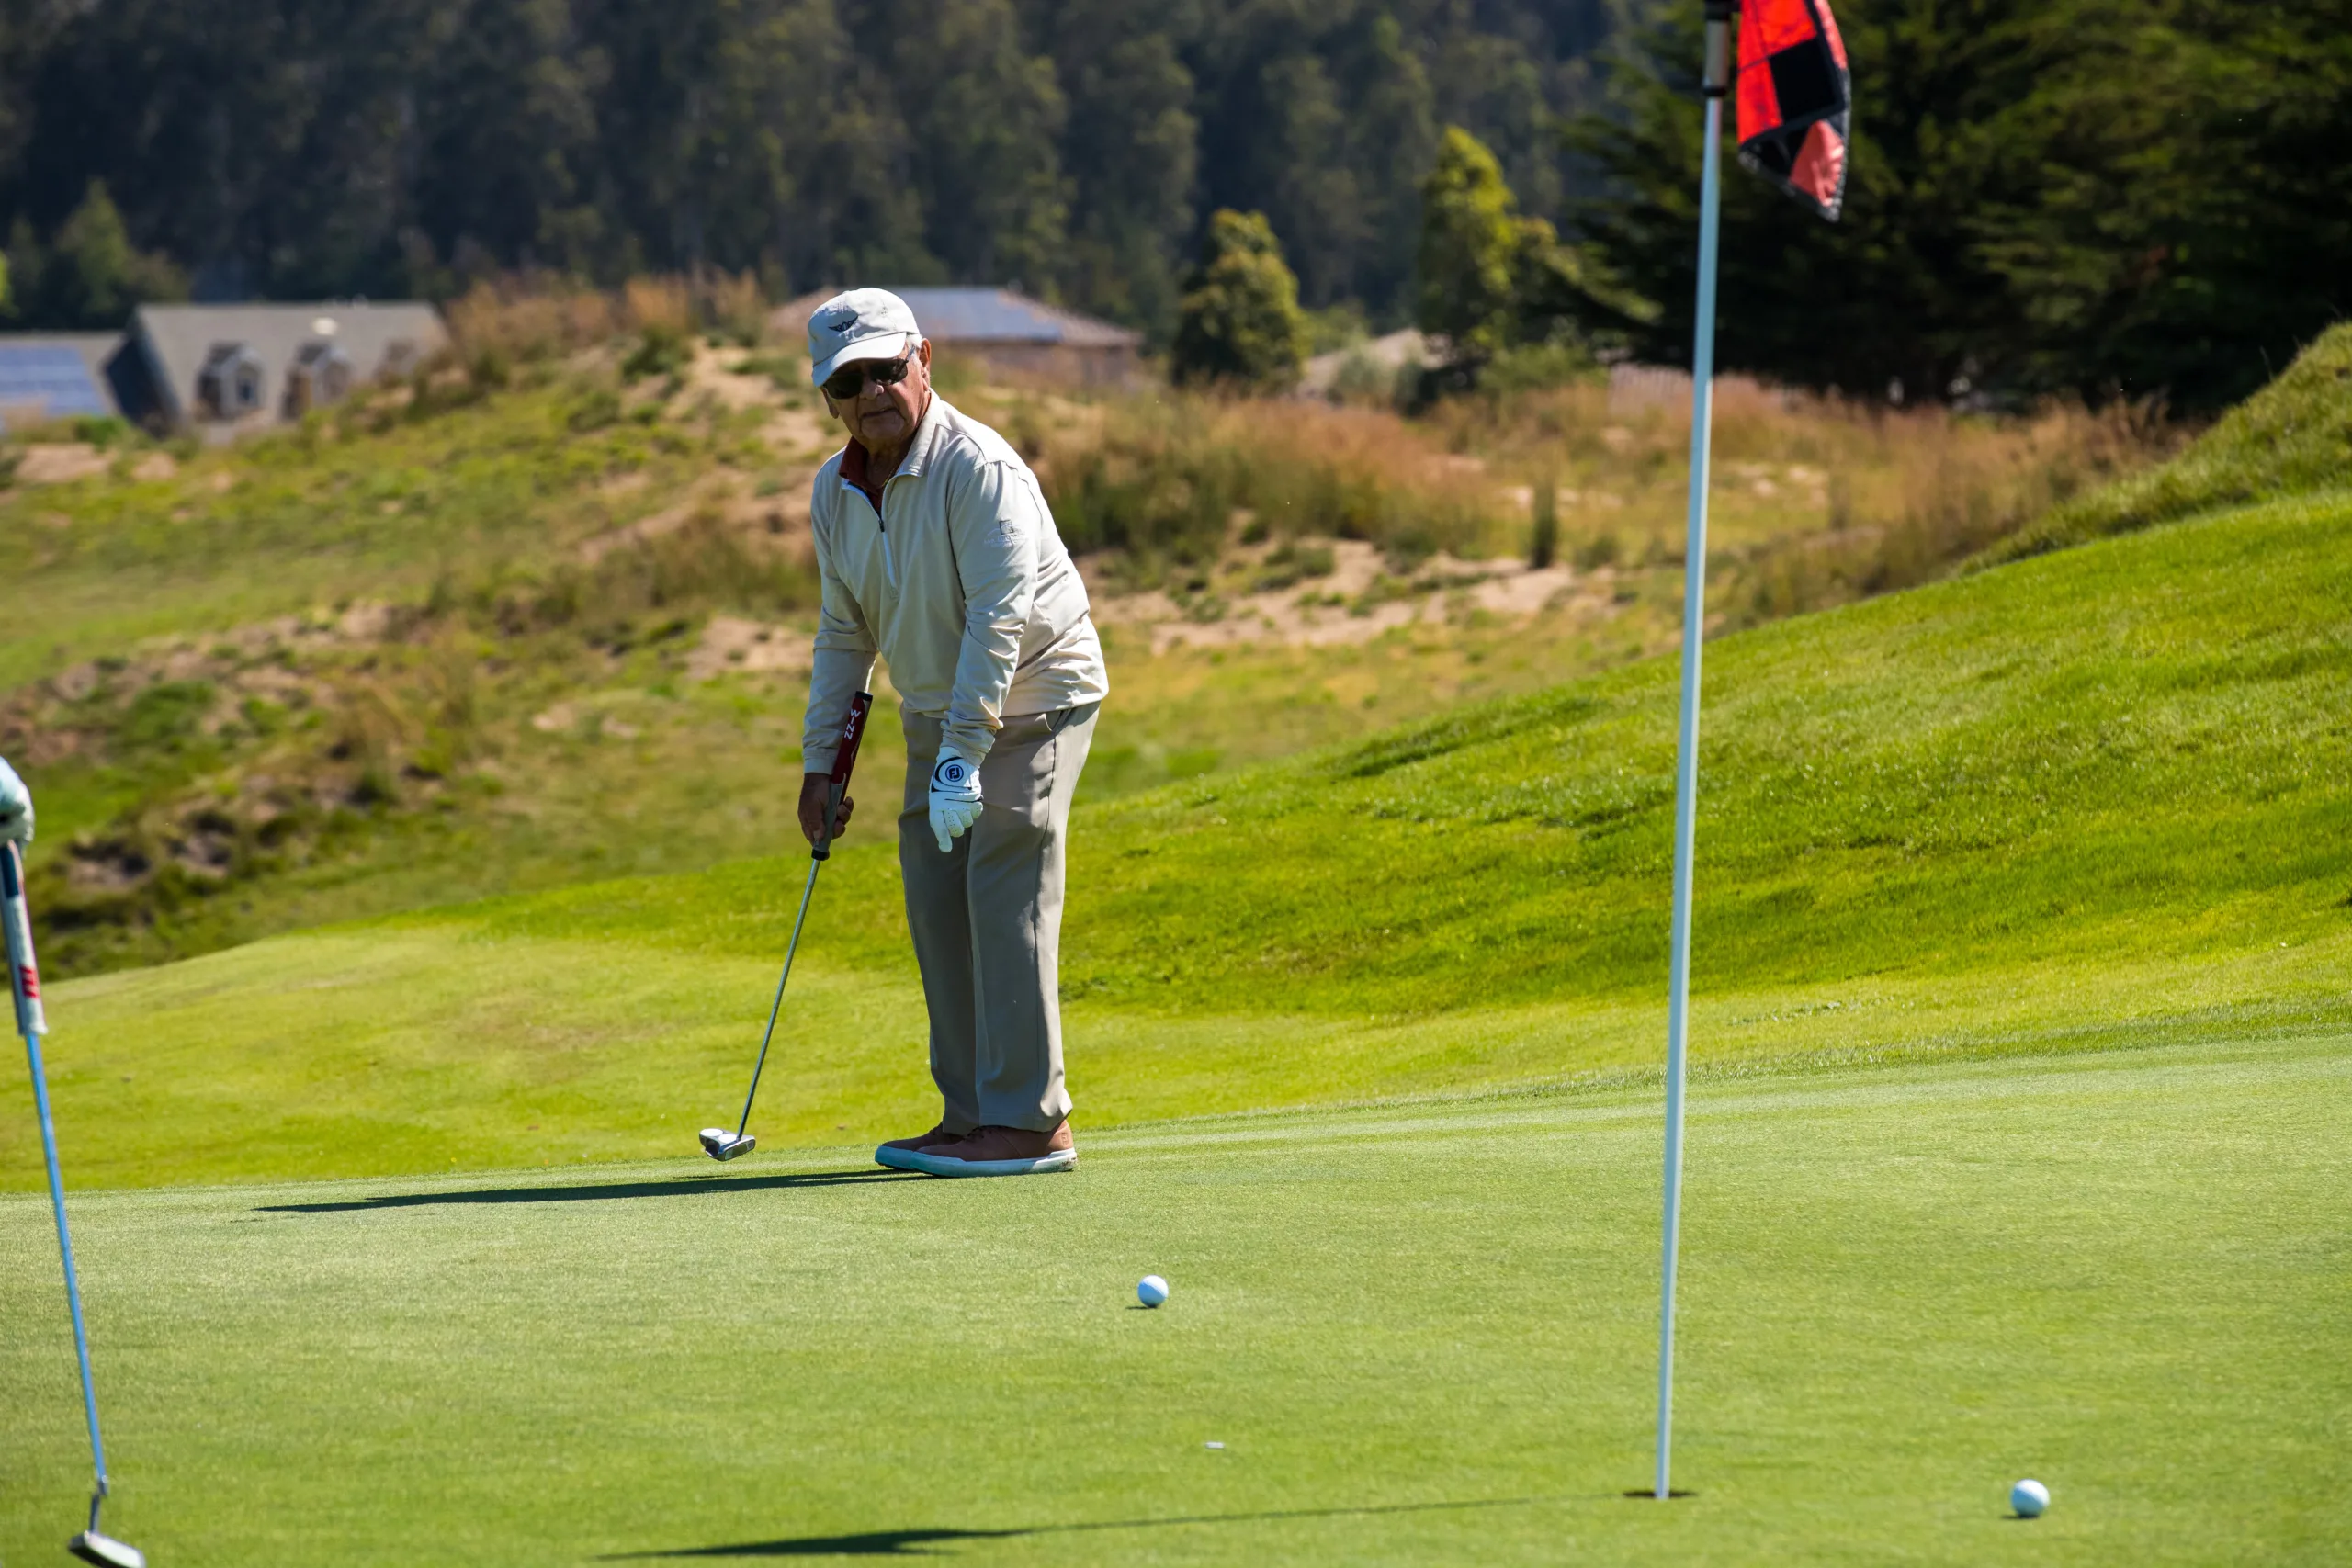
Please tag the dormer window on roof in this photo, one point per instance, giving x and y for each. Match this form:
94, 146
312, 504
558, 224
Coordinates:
320, 375
229, 386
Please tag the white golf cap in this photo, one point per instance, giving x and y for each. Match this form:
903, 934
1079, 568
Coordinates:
860, 325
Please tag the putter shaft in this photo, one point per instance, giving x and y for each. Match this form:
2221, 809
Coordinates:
853, 733
792, 947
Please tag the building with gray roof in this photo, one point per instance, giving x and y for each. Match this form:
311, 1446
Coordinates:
1002, 333
219, 370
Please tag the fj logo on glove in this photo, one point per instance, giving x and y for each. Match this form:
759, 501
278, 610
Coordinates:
954, 799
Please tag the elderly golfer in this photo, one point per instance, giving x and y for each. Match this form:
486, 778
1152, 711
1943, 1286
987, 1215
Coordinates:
938, 551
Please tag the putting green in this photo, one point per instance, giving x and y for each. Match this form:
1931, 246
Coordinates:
1422, 1333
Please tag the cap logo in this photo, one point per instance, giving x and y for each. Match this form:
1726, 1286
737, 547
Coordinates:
841, 321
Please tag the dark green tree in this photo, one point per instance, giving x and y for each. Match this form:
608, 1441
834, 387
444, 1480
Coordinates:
2167, 202
1129, 144
1894, 291
984, 116
1239, 324
1472, 246
2100, 196
378, 146
89, 275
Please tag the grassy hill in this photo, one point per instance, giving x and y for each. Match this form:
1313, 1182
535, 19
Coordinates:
2292, 438
2094, 797
543, 621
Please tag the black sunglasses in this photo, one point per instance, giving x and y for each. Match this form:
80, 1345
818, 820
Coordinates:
847, 384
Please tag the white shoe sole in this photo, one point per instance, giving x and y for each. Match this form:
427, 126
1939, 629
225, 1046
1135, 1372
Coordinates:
940, 1165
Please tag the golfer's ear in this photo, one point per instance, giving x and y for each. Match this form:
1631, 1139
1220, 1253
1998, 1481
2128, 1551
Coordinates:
925, 351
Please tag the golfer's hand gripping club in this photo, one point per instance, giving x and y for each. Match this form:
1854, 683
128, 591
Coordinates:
954, 796
837, 800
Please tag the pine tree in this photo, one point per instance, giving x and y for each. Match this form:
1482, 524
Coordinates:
1239, 324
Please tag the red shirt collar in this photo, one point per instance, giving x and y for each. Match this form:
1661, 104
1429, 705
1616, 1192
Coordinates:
856, 470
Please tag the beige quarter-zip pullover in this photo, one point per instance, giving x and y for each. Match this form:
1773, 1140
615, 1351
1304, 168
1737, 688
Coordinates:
960, 580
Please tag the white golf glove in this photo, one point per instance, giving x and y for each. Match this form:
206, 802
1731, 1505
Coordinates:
954, 798
16, 808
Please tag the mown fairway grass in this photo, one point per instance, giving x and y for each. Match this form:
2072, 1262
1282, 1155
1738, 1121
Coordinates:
1423, 1335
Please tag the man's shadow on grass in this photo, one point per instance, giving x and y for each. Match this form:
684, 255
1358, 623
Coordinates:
912, 1542
586, 1193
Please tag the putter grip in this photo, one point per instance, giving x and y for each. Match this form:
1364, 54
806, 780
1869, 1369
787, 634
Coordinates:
15, 924
844, 763
852, 731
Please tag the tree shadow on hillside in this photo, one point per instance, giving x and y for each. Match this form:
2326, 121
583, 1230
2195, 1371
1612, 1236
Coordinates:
912, 1542
586, 1193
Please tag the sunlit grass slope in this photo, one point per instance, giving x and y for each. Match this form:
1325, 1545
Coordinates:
2133, 750
2096, 797
2292, 438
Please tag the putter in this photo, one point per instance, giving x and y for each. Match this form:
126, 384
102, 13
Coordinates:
717, 1142
24, 985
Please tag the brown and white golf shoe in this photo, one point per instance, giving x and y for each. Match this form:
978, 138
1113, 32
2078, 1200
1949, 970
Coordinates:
999, 1151
898, 1153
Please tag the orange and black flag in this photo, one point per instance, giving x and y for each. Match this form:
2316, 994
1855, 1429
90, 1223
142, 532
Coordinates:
1796, 99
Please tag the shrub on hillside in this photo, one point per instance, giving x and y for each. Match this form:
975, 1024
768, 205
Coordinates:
1488, 278
1241, 326
1166, 479
529, 316
524, 317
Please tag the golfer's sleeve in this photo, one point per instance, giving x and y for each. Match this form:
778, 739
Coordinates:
843, 656
996, 526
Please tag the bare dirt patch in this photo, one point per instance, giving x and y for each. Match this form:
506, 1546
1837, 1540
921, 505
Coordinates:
1358, 600
60, 462
732, 644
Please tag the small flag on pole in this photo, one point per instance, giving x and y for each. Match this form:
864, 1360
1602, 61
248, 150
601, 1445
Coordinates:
1796, 99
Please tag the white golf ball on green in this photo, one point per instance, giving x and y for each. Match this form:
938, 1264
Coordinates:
2028, 1498
1151, 1289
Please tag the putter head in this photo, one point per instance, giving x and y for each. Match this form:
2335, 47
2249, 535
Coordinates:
721, 1144
91, 1547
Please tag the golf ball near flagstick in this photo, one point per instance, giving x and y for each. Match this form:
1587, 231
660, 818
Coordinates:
1151, 1291
2028, 1498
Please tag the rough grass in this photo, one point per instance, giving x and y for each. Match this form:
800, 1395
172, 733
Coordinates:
1816, 501
1167, 481
373, 503
2292, 438
1422, 1334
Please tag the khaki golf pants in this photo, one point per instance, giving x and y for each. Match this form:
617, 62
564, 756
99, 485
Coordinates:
986, 920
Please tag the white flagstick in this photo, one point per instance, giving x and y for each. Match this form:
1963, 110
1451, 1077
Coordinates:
1686, 751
